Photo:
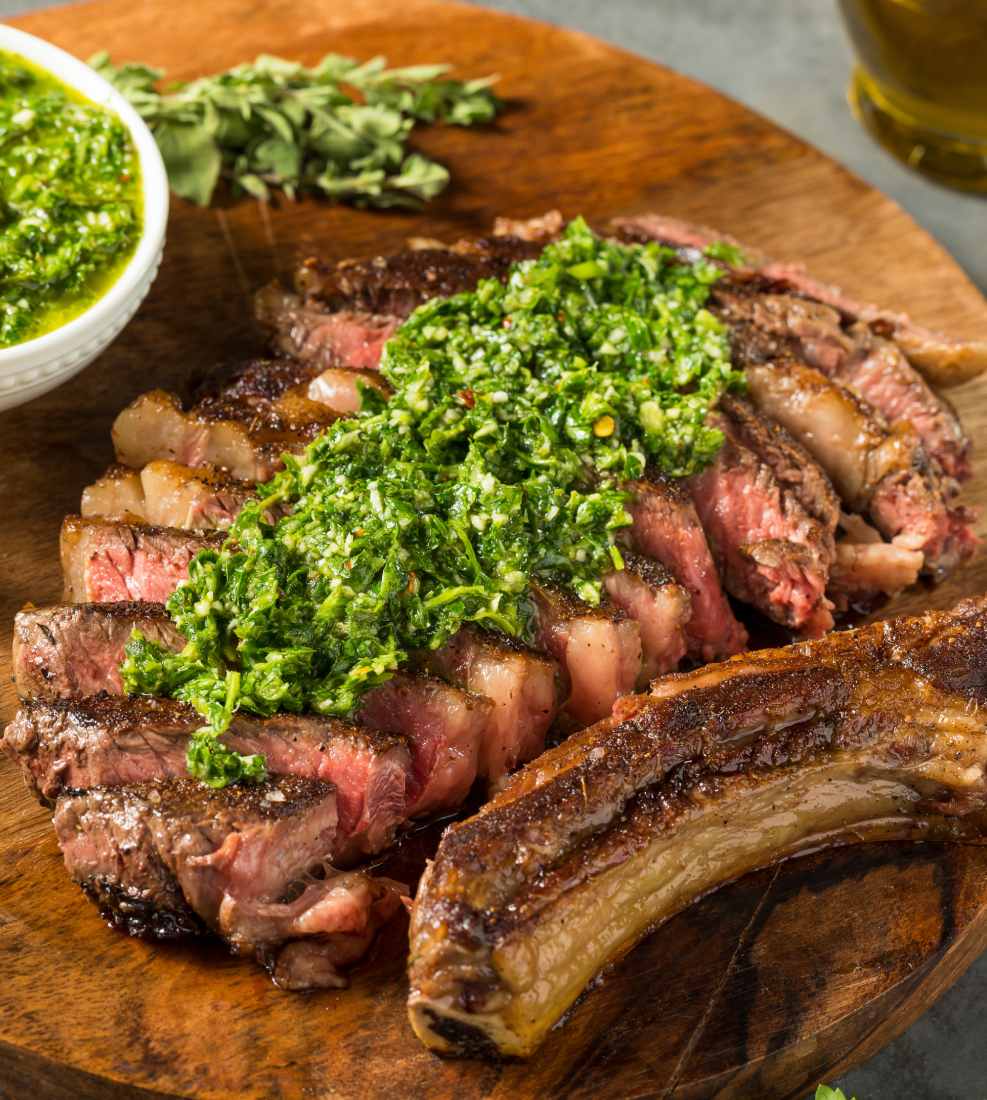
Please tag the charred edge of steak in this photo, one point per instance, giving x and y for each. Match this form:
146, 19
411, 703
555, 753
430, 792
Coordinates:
396, 284
124, 910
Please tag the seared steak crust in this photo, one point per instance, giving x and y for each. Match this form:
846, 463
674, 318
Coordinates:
944, 361
874, 732
394, 285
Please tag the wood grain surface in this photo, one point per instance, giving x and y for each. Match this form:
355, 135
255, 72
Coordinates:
788, 977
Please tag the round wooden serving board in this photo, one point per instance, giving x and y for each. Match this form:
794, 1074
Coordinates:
787, 977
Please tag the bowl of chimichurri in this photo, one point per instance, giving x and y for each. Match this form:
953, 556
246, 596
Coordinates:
83, 211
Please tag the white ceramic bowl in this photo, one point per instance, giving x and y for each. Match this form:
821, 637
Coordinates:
30, 369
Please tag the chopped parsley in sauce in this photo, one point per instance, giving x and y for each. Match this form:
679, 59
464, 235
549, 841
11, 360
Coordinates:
70, 211
520, 409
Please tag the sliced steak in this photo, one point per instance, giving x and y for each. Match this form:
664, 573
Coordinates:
321, 338
871, 734
770, 552
166, 494
168, 857
76, 649
105, 561
598, 648
444, 728
880, 471
873, 368
666, 529
792, 465
647, 593
523, 686
944, 361
102, 741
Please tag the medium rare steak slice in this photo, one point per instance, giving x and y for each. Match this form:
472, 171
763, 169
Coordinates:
666, 529
871, 734
321, 338
598, 648
166, 494
871, 367
445, 729
522, 685
166, 857
100, 741
792, 465
880, 471
106, 561
944, 361
769, 550
76, 649
647, 593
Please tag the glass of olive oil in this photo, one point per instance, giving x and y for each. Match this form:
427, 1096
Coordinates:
920, 85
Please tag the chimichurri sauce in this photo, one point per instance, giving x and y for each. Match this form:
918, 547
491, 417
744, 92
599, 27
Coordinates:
519, 412
70, 206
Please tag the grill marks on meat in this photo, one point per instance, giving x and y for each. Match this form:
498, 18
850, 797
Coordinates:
76, 649
878, 470
166, 857
770, 551
523, 687
106, 561
598, 649
863, 735
646, 592
166, 494
873, 368
666, 528
101, 741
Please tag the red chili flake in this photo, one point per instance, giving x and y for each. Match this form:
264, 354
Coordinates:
348, 564
468, 398
412, 581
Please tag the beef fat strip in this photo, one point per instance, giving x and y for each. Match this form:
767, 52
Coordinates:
167, 494
871, 734
244, 431
171, 857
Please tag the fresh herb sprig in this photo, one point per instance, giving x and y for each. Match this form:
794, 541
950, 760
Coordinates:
519, 411
339, 129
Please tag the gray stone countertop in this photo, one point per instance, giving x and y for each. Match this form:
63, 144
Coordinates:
789, 59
